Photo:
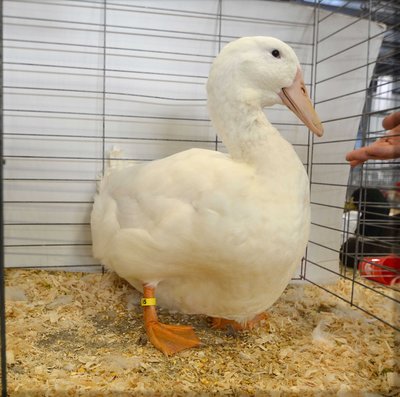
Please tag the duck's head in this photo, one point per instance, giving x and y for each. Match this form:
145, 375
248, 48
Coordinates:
262, 71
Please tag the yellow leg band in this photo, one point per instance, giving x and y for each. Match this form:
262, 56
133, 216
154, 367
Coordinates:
148, 301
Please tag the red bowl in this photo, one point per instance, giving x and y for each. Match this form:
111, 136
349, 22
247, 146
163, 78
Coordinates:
377, 269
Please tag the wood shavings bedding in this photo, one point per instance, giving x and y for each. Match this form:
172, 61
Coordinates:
74, 334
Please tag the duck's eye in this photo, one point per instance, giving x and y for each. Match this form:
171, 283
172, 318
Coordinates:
276, 53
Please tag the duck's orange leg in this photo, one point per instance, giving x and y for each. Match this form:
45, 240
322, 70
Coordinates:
169, 339
222, 323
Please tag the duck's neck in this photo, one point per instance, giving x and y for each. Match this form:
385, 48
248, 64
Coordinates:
246, 132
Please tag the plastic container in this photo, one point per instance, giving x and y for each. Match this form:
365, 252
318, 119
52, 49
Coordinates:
378, 269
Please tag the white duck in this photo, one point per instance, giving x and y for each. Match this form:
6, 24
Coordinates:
210, 233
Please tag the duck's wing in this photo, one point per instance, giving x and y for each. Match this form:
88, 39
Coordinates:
163, 197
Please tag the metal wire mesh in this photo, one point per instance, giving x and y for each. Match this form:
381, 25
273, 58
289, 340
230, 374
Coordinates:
71, 100
83, 76
370, 238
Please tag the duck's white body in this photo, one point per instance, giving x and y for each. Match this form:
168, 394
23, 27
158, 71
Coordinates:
217, 234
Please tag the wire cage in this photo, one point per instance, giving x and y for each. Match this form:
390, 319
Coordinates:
83, 77
370, 231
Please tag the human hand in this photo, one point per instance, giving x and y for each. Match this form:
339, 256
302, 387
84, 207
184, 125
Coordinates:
385, 148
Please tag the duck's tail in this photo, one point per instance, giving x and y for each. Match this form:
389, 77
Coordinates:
116, 161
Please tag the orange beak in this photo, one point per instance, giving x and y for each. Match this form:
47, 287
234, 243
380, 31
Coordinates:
296, 98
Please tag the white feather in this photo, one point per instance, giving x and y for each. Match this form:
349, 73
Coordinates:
320, 336
217, 234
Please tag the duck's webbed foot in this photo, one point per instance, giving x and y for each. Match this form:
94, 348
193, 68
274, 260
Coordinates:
169, 339
222, 323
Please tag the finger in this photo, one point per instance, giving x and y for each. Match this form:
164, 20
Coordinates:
357, 155
372, 152
396, 131
354, 163
383, 152
391, 121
